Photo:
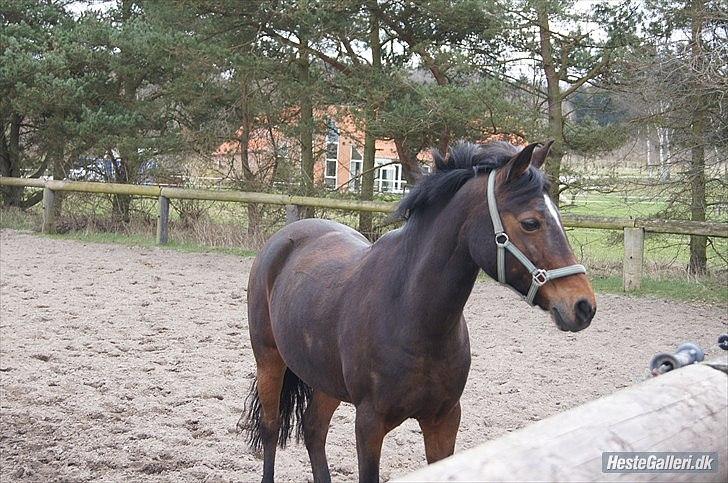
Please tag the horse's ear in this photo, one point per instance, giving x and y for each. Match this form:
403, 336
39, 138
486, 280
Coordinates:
519, 163
540, 154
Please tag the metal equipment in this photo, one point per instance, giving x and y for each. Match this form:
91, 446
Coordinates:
687, 353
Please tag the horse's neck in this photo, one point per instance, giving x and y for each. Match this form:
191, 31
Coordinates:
437, 270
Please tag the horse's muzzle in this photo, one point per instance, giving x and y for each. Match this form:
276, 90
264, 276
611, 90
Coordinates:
576, 319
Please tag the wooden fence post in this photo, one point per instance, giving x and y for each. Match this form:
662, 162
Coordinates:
49, 212
163, 221
292, 213
634, 247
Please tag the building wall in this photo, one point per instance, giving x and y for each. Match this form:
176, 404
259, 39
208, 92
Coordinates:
350, 134
350, 137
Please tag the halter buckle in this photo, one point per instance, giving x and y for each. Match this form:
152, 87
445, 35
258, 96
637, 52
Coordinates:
540, 277
499, 237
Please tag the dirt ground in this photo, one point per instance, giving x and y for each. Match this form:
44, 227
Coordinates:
132, 364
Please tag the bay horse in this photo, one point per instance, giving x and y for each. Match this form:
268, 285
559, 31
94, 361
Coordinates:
335, 318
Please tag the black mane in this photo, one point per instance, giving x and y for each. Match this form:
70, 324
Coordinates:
455, 169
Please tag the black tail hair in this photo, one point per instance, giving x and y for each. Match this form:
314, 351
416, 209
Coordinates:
295, 395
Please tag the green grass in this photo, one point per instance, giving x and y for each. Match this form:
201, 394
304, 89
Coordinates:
19, 220
661, 250
145, 241
708, 290
612, 204
606, 246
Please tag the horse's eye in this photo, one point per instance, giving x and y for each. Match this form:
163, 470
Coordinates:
530, 224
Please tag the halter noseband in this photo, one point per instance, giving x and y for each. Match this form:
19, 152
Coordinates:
539, 275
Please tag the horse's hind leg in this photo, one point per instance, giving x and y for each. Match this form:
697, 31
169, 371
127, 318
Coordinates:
370, 432
316, 422
271, 371
440, 434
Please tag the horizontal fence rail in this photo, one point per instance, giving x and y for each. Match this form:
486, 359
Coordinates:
634, 229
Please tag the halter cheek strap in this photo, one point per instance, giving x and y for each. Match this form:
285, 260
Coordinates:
539, 276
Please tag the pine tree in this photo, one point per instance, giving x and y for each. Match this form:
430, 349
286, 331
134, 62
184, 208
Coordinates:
42, 86
567, 52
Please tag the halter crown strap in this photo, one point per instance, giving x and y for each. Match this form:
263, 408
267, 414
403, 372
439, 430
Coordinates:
539, 276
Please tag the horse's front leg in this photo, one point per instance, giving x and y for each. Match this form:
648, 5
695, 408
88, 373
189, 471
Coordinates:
370, 432
440, 433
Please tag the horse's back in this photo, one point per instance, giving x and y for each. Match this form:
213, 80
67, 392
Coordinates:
311, 229
306, 241
309, 248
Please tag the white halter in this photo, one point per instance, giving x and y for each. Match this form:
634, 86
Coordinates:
539, 275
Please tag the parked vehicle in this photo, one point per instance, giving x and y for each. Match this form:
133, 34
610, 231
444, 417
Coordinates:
105, 170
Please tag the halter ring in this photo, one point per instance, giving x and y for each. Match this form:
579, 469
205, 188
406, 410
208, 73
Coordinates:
540, 277
499, 237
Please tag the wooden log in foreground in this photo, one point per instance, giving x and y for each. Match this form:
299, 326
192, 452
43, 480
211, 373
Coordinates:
683, 410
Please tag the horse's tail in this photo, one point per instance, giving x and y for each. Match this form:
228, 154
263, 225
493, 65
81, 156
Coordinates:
295, 395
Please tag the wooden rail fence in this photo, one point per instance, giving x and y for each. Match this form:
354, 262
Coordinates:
634, 229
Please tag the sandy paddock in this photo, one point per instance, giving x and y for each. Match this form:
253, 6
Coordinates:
132, 364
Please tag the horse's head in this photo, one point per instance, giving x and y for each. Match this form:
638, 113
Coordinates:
537, 260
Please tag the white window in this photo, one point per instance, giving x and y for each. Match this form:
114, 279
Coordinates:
388, 178
332, 154
355, 169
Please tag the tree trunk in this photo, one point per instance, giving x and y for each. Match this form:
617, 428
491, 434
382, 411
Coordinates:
306, 129
56, 154
12, 196
10, 165
652, 151
408, 159
10, 159
555, 108
663, 139
367, 182
121, 204
129, 162
698, 243
249, 177
698, 258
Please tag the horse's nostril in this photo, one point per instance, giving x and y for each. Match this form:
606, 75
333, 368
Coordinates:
584, 311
